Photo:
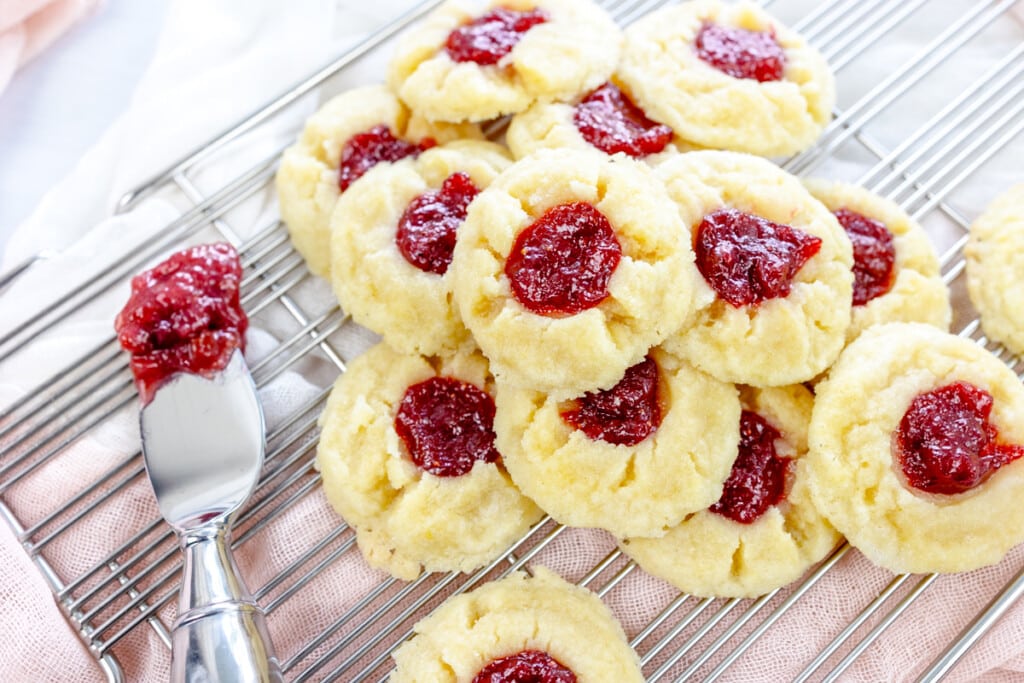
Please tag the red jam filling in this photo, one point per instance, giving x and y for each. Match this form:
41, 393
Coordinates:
528, 666
608, 120
874, 255
561, 264
488, 38
365, 150
741, 53
183, 316
446, 426
945, 443
624, 415
758, 477
748, 259
426, 230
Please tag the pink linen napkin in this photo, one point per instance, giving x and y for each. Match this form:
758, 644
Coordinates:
27, 27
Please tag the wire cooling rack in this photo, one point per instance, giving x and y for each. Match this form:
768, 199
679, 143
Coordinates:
700, 639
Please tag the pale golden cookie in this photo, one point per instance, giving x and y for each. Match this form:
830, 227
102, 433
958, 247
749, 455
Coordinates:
783, 340
714, 109
410, 307
710, 554
551, 125
512, 615
629, 490
918, 293
995, 268
575, 50
649, 292
408, 520
307, 181
859, 486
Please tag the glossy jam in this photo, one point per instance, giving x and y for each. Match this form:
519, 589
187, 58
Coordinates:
624, 415
561, 264
447, 425
748, 259
488, 38
945, 443
608, 120
426, 230
758, 477
528, 666
874, 255
183, 315
741, 53
365, 150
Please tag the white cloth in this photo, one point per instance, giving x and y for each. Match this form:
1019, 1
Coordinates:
218, 60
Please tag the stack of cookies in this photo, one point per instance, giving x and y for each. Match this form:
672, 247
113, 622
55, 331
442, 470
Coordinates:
614, 313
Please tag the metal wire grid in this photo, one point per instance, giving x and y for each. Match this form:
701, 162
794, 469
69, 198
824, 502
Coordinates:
137, 580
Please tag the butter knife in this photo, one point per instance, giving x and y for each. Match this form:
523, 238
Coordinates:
203, 444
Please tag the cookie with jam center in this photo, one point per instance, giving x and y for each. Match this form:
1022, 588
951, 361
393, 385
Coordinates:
765, 531
914, 450
392, 238
519, 628
569, 267
606, 119
633, 460
728, 76
895, 267
467, 63
408, 460
351, 133
775, 294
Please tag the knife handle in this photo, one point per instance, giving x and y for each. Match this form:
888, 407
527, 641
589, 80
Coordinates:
220, 633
